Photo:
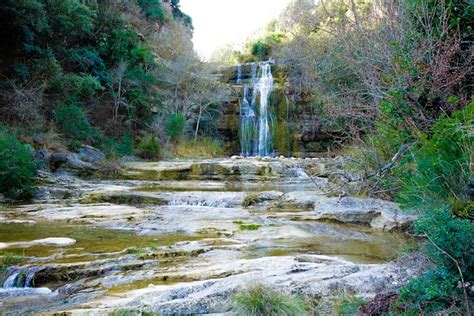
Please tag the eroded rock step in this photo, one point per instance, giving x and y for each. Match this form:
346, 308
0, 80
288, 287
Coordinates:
183, 245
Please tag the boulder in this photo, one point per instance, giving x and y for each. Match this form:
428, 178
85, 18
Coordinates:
41, 158
393, 219
71, 162
90, 154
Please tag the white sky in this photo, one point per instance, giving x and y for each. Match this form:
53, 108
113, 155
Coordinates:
220, 22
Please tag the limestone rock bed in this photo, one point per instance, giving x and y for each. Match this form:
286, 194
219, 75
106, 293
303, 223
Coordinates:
181, 236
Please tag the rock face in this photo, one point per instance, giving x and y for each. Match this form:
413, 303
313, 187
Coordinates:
299, 131
82, 162
179, 237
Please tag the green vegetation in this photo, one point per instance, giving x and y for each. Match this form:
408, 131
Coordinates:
17, 166
175, 126
439, 166
249, 226
203, 147
9, 259
105, 74
349, 304
250, 199
149, 148
264, 300
73, 123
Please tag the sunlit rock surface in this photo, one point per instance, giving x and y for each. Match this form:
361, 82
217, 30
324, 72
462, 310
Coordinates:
180, 236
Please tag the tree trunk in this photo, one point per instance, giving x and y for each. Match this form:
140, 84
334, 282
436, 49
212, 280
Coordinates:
197, 123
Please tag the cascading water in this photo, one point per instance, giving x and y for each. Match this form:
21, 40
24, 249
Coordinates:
18, 278
265, 86
239, 74
255, 138
19, 282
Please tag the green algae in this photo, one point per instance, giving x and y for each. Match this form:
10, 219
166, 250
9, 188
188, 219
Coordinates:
90, 240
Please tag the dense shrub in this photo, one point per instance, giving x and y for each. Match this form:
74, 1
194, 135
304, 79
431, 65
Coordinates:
73, 123
119, 146
433, 181
82, 85
17, 167
450, 244
152, 9
261, 50
149, 148
175, 126
439, 167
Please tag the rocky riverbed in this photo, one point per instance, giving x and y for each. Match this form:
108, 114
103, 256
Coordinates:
180, 236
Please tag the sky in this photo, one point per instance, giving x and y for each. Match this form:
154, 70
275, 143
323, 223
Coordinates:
220, 22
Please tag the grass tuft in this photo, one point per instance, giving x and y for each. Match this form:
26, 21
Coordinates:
262, 300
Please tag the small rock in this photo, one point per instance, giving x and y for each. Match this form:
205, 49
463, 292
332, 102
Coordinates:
18, 221
52, 241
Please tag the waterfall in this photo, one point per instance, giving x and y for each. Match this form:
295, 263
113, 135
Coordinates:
265, 86
17, 278
255, 138
19, 282
10, 281
239, 74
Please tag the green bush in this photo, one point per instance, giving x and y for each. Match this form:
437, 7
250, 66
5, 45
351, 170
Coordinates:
149, 148
17, 167
261, 50
9, 259
439, 167
73, 123
152, 9
449, 238
119, 146
264, 300
348, 304
432, 292
82, 85
175, 126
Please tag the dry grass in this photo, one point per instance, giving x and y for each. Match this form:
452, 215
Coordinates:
200, 148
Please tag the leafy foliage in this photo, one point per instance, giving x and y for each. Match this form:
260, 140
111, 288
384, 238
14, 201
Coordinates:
175, 126
17, 166
63, 59
73, 122
440, 167
149, 148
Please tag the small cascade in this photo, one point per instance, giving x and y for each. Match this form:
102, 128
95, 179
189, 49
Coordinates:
11, 278
20, 278
30, 276
255, 138
202, 203
299, 173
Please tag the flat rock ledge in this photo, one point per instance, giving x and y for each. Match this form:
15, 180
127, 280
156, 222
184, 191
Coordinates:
311, 205
313, 276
